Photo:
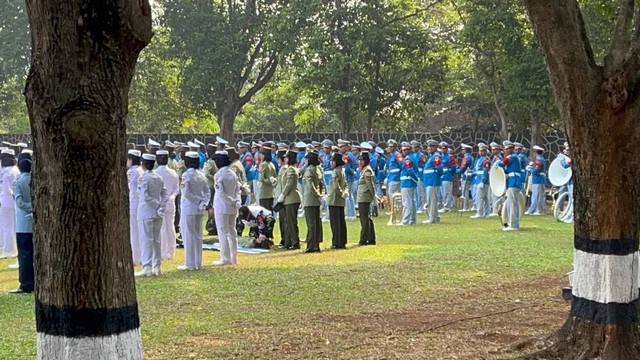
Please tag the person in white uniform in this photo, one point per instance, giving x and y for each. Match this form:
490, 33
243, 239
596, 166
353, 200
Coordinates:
171, 183
226, 202
133, 174
151, 211
194, 196
8, 176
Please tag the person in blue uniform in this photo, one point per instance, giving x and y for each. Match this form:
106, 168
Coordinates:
349, 171
538, 171
496, 155
380, 173
566, 163
465, 171
324, 156
431, 179
394, 162
481, 169
448, 170
416, 156
408, 186
511, 166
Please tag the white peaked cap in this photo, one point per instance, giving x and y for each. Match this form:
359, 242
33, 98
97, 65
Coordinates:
148, 156
8, 151
26, 151
465, 146
21, 144
536, 147
220, 140
135, 153
162, 152
153, 142
365, 145
379, 150
192, 154
222, 152
300, 144
192, 144
198, 142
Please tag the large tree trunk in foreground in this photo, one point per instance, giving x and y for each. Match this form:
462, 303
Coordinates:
83, 58
600, 106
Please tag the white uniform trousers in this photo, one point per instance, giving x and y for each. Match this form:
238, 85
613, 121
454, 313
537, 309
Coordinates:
492, 205
408, 206
150, 238
420, 196
392, 188
513, 207
134, 234
431, 198
8, 230
468, 194
191, 230
168, 232
228, 238
537, 199
256, 192
482, 198
446, 195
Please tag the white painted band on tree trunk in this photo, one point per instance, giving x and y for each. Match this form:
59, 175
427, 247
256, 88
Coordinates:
605, 278
124, 346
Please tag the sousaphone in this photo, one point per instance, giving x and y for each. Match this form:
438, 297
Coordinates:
558, 175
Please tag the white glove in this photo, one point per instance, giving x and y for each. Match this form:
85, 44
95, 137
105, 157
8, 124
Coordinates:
238, 204
273, 181
345, 194
281, 198
530, 163
29, 216
247, 189
202, 206
161, 214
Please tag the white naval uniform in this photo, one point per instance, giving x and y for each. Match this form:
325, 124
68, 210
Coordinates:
8, 176
194, 196
226, 202
151, 210
133, 174
168, 231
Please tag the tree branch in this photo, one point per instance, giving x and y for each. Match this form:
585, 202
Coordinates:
621, 37
563, 38
261, 81
415, 13
252, 61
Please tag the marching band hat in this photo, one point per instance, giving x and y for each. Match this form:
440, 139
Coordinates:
162, 152
212, 146
392, 142
8, 143
379, 150
443, 144
465, 146
432, 142
507, 144
169, 144
536, 147
132, 152
495, 145
198, 142
254, 144
334, 148
366, 146
153, 143
243, 144
191, 144
482, 146
566, 145
518, 145
267, 144
343, 142
310, 147
192, 154
178, 144
301, 145
222, 152
8, 151
282, 145
315, 143
415, 143
26, 151
148, 156
327, 142
22, 145
221, 141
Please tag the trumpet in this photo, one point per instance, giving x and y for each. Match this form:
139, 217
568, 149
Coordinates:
395, 210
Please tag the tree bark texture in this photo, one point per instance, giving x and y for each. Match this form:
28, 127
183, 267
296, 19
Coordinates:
83, 58
600, 106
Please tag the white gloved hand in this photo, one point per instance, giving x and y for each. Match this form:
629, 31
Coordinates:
247, 189
29, 216
273, 181
530, 163
238, 204
281, 198
345, 194
202, 206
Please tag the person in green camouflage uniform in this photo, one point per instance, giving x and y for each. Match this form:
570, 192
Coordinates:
336, 195
313, 186
366, 195
290, 198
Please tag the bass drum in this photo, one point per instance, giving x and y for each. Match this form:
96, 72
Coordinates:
497, 181
558, 175
561, 207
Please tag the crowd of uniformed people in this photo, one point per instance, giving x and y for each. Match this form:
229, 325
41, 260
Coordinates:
256, 186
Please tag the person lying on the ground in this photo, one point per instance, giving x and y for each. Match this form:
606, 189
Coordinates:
260, 222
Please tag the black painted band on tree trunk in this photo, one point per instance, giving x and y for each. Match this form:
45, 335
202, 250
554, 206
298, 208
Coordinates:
611, 313
70, 322
618, 247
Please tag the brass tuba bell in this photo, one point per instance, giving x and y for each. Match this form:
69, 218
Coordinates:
395, 210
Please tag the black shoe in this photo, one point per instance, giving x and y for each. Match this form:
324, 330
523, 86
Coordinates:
308, 251
372, 243
294, 247
20, 291
341, 247
362, 244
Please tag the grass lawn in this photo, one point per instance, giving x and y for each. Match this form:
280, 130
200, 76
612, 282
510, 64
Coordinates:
459, 289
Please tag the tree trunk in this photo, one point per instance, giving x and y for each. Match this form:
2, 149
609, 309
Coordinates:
600, 106
535, 129
503, 119
83, 58
227, 112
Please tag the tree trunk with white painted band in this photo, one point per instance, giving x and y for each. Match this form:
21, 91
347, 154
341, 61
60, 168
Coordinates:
600, 106
83, 57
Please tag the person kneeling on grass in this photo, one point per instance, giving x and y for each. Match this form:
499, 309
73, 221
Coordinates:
260, 222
